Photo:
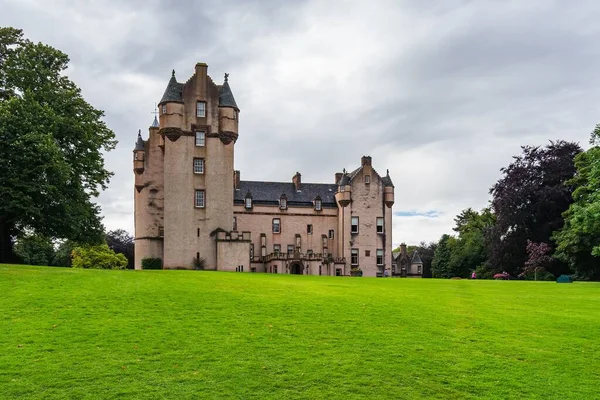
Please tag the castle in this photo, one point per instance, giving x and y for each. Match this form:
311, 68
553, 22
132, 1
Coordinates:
193, 210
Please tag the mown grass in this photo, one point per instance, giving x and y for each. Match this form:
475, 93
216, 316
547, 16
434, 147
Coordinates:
69, 333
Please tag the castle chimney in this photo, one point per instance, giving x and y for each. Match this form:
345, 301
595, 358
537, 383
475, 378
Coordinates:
236, 179
403, 249
365, 160
296, 181
338, 176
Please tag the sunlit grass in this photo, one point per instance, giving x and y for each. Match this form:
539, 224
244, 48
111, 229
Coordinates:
69, 333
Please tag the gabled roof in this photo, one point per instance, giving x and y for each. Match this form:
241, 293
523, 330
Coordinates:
226, 98
269, 193
416, 259
173, 92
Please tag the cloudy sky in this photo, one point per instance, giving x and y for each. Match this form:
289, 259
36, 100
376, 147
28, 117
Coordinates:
442, 93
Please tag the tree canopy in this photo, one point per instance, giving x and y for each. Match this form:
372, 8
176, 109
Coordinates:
528, 202
52, 147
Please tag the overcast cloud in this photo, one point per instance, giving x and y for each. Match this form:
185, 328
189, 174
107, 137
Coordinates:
442, 93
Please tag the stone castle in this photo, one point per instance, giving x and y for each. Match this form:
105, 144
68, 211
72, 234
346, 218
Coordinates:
193, 210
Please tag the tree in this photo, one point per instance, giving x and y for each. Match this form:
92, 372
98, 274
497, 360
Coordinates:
98, 257
120, 241
63, 255
35, 249
52, 147
539, 259
528, 202
578, 242
440, 266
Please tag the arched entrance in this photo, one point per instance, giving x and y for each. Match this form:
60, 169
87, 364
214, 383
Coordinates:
296, 268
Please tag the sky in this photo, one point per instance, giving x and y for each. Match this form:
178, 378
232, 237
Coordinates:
441, 93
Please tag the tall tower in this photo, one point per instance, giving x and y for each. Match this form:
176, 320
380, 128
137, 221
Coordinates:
196, 134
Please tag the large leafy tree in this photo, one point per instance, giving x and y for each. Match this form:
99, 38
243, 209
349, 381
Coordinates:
528, 202
440, 266
578, 242
52, 147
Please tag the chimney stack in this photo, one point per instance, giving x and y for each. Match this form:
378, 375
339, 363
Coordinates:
236, 179
296, 180
338, 177
403, 249
365, 160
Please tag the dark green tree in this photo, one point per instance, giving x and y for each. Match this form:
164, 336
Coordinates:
528, 202
440, 266
578, 242
52, 147
34, 249
121, 242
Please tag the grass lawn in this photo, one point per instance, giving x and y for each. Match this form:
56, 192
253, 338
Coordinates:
67, 333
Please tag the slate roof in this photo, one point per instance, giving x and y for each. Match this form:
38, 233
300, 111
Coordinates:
139, 144
387, 181
226, 98
154, 123
416, 259
268, 193
173, 92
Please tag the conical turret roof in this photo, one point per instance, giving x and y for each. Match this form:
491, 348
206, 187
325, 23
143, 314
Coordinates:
345, 179
226, 98
387, 181
173, 91
154, 123
139, 145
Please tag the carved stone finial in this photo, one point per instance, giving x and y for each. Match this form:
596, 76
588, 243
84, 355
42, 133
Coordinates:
139, 132
226, 76
344, 171
388, 172
173, 73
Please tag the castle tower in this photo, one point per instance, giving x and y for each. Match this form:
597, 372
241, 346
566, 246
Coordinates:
195, 137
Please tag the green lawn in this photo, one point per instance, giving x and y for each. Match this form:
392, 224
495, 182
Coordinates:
68, 333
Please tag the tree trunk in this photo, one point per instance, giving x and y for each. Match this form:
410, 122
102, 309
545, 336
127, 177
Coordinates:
6, 244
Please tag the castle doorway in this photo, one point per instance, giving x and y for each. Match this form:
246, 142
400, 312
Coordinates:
296, 268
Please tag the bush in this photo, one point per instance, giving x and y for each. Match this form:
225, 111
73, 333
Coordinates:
151, 263
199, 262
99, 257
35, 249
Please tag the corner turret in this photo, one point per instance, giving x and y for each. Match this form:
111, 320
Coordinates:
139, 154
388, 190
171, 104
228, 113
344, 193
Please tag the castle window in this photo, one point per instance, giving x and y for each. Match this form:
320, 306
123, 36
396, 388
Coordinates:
367, 179
379, 256
354, 257
198, 165
367, 253
200, 109
200, 138
354, 225
418, 269
235, 115
276, 248
251, 251
161, 231
235, 223
379, 225
290, 249
164, 108
199, 199
324, 251
276, 225
283, 202
318, 204
248, 203
331, 233
309, 229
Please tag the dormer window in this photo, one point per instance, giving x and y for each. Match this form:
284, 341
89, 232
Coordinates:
248, 202
200, 109
318, 204
283, 202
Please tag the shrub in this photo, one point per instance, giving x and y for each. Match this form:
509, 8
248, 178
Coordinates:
199, 262
151, 263
99, 257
